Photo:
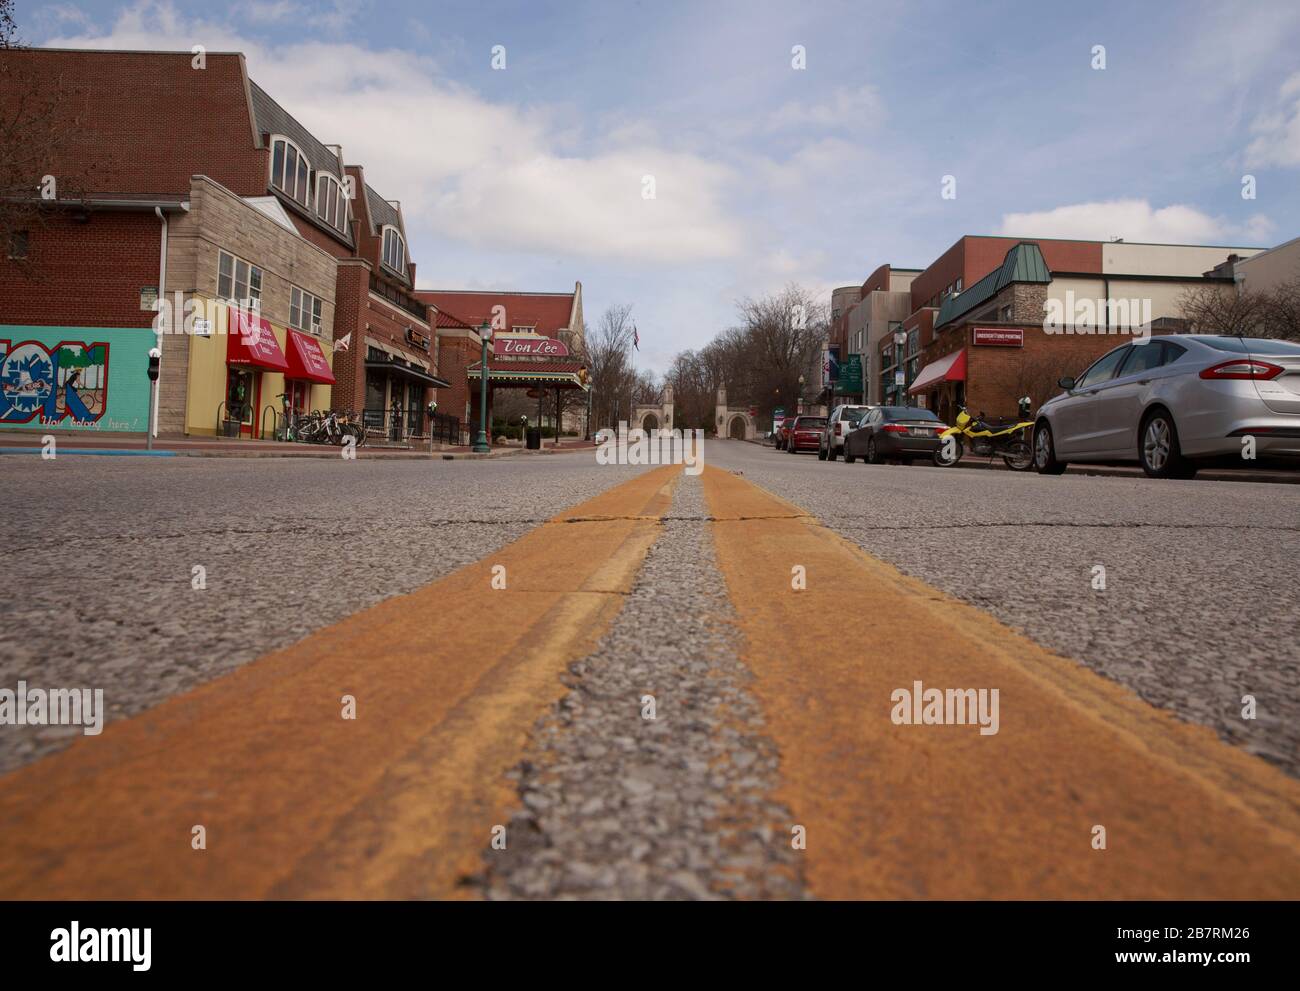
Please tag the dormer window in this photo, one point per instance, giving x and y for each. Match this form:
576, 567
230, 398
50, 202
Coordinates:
394, 250
331, 203
290, 171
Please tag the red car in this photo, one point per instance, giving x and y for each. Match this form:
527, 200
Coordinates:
805, 433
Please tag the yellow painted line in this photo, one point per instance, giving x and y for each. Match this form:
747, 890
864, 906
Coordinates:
296, 800
907, 811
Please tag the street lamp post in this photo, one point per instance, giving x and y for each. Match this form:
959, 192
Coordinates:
481, 442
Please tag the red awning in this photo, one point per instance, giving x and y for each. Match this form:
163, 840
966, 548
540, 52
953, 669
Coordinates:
307, 360
949, 368
250, 341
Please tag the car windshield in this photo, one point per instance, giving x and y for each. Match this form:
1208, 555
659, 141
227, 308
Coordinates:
853, 415
907, 413
810, 422
1250, 345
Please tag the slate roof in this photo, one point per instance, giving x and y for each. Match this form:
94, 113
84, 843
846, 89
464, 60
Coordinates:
381, 212
274, 119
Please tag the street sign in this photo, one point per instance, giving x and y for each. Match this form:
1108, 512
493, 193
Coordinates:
899, 377
850, 381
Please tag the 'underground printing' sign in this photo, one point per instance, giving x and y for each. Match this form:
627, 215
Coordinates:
92, 378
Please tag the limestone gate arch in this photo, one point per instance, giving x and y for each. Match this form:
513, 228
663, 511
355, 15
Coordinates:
733, 422
649, 416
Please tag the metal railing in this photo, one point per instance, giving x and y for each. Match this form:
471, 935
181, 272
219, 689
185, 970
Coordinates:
398, 298
400, 424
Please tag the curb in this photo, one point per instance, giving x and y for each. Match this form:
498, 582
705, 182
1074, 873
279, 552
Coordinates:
1121, 471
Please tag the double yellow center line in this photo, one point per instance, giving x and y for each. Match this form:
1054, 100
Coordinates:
400, 802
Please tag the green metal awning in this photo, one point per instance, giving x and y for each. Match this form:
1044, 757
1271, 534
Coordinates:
1023, 263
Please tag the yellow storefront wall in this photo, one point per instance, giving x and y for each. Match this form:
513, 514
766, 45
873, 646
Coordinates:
206, 388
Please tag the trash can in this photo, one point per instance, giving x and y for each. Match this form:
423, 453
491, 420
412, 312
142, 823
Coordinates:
533, 440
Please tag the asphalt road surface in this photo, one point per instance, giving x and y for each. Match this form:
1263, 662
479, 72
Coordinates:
1201, 604
106, 549
540, 677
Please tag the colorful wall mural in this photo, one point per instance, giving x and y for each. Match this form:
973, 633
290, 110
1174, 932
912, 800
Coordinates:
74, 378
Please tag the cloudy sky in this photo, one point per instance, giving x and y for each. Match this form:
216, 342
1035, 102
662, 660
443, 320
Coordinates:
532, 175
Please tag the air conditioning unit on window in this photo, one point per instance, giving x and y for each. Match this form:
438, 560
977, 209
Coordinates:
316, 328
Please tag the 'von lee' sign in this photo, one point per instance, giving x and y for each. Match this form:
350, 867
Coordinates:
530, 344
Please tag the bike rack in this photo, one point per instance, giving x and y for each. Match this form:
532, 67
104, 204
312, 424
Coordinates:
262, 426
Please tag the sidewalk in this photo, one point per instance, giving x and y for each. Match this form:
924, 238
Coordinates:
25, 442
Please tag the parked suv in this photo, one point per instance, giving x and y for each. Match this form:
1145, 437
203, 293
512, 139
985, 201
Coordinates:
804, 433
842, 420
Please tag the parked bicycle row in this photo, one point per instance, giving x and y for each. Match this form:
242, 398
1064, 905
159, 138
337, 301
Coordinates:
1173, 404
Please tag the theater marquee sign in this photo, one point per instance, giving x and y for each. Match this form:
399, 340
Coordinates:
528, 345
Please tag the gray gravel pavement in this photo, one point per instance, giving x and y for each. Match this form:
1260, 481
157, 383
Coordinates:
1202, 597
615, 805
100, 552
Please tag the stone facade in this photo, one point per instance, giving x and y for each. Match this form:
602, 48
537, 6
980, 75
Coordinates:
217, 221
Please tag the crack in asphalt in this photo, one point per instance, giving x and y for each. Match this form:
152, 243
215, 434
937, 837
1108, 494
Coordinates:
848, 522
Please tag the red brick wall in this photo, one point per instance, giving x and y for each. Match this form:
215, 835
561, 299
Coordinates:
349, 366
84, 275
454, 356
144, 122
356, 311
972, 258
995, 376
939, 274
984, 254
876, 281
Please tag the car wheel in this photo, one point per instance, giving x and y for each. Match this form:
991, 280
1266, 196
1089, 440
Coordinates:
848, 458
955, 449
831, 453
873, 456
1045, 462
821, 453
1158, 448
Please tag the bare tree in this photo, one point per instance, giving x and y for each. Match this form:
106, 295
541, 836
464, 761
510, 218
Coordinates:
43, 164
8, 29
1211, 309
1283, 311
610, 369
1039, 373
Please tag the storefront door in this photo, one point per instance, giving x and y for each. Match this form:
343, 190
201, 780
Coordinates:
299, 391
414, 406
241, 397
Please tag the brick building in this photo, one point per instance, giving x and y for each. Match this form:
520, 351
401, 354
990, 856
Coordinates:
460, 315
142, 134
995, 318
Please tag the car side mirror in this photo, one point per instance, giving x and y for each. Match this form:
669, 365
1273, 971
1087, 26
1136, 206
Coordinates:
1066, 383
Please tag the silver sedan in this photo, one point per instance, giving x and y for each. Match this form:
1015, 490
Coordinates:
1171, 401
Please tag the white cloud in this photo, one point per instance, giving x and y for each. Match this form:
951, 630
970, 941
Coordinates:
849, 109
1277, 140
1133, 220
464, 167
